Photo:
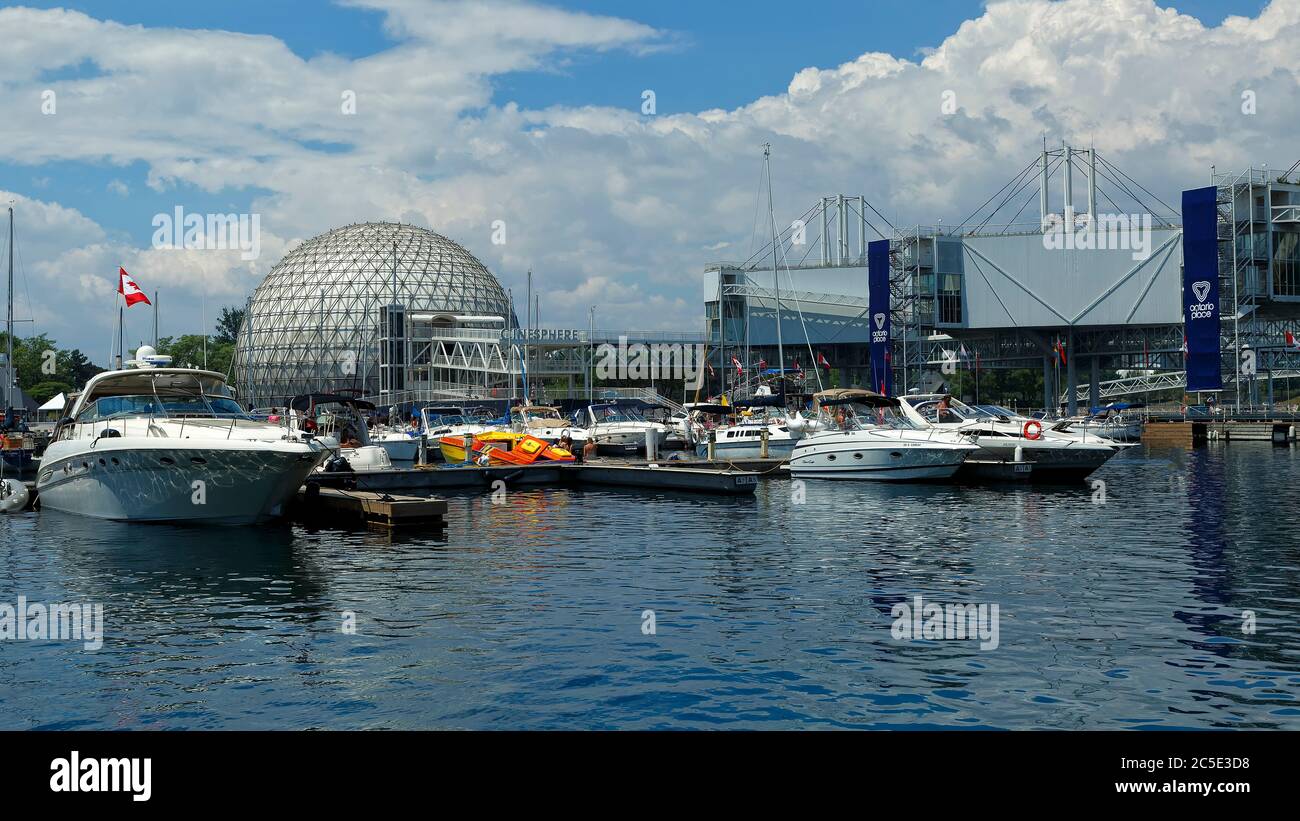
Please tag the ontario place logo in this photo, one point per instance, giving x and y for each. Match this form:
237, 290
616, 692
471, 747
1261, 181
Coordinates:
657, 361
209, 232
1202, 309
1108, 232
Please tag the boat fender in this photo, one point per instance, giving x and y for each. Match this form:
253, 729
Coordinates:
13, 495
1033, 430
110, 433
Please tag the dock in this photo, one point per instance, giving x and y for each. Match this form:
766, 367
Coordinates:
680, 475
662, 477
1188, 433
369, 507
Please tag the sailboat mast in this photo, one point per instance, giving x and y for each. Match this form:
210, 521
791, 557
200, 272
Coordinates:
9, 326
776, 277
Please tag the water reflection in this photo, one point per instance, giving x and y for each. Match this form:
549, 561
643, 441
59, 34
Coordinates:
769, 613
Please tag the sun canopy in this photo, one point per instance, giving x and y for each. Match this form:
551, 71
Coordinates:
307, 400
56, 403
856, 396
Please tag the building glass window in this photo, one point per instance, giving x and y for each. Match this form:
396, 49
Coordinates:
950, 299
1286, 264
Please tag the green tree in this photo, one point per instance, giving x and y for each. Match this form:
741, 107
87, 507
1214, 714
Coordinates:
228, 324
43, 391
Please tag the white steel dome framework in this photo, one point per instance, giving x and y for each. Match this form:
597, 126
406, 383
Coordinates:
315, 322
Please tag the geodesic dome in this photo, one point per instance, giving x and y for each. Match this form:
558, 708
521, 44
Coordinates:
313, 323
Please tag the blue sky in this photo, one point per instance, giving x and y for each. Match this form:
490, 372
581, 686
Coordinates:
715, 57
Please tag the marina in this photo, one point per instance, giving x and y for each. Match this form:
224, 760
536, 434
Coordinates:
374, 366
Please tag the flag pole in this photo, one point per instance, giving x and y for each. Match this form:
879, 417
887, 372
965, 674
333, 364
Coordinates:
120, 335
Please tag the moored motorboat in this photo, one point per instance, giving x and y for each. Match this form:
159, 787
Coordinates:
546, 423
338, 423
170, 444
618, 427
864, 436
501, 448
1053, 456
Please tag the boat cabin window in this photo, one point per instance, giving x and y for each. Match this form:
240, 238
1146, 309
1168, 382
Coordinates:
859, 417
113, 407
615, 413
958, 411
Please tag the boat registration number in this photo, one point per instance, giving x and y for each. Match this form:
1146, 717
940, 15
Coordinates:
746, 480
1023, 468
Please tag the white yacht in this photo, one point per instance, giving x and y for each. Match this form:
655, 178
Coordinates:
618, 427
744, 440
546, 424
338, 424
1053, 455
864, 436
170, 444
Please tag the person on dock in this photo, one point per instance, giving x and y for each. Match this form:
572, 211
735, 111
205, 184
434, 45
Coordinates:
589, 450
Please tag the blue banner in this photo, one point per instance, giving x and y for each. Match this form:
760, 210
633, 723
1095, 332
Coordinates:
882, 374
1201, 289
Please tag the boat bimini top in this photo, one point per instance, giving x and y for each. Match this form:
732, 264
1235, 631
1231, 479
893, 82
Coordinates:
853, 396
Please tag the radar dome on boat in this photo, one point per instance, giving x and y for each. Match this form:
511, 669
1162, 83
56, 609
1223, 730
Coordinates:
147, 357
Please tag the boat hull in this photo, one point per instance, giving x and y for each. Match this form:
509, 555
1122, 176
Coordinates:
1067, 463
400, 450
776, 449
843, 456
129, 480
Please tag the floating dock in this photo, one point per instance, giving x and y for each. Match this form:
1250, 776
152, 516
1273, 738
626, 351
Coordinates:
1189, 433
678, 475
662, 477
369, 507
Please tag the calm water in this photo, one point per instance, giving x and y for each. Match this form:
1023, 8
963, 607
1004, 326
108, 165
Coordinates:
767, 614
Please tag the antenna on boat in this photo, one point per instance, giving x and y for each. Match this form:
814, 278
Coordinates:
776, 275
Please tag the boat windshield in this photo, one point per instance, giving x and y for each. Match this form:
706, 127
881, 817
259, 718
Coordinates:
860, 417
194, 406
540, 413
997, 410
445, 420
616, 413
957, 410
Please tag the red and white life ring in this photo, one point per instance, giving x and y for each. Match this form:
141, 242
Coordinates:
1037, 432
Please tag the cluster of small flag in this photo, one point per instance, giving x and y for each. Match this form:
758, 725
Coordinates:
762, 365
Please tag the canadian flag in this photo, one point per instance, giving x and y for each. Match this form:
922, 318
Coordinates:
1292, 342
1184, 348
129, 290
797, 367
821, 360
739, 368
